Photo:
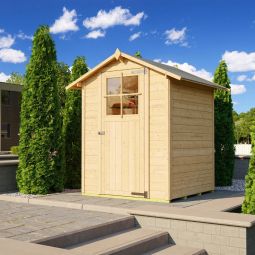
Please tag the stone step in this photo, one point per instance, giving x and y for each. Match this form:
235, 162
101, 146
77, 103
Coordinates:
135, 242
177, 250
76, 237
9, 162
8, 157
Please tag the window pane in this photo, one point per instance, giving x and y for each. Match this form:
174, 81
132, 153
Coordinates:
113, 86
130, 104
113, 105
130, 84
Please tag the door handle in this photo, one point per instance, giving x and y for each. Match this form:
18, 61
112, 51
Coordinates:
101, 132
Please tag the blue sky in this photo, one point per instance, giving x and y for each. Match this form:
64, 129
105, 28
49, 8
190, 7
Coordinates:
194, 34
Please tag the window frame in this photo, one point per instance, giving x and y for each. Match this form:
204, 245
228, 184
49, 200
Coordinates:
121, 94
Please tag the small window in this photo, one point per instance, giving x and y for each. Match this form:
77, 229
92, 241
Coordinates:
113, 105
130, 84
5, 130
113, 86
6, 97
122, 95
130, 104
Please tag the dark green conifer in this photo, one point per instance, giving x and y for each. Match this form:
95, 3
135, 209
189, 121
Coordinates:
224, 128
39, 170
72, 128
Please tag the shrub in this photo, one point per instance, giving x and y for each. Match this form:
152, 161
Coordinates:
249, 201
15, 150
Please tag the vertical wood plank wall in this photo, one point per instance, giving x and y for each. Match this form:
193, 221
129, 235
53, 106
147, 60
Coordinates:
192, 167
159, 146
180, 141
91, 150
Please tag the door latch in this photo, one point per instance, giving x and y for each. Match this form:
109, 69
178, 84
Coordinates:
101, 133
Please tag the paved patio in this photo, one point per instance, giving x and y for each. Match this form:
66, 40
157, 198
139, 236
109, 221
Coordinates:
217, 200
33, 218
32, 222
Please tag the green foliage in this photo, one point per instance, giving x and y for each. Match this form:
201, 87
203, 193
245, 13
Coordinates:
138, 54
39, 170
15, 150
16, 78
243, 125
63, 79
224, 129
72, 128
249, 201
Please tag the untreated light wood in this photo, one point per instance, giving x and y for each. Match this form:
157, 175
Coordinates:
121, 56
165, 151
159, 132
192, 139
123, 142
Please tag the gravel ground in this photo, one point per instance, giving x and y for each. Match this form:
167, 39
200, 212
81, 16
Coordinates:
237, 185
18, 194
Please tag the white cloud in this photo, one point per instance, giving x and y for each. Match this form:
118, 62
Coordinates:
189, 68
67, 22
6, 41
242, 77
12, 56
239, 61
95, 34
237, 89
134, 36
174, 36
116, 16
23, 36
4, 77
1, 30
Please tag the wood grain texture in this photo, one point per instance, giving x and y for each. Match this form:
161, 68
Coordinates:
192, 139
90, 105
159, 133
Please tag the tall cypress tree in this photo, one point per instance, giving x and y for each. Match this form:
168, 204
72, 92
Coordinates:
39, 170
224, 128
63, 79
249, 201
72, 128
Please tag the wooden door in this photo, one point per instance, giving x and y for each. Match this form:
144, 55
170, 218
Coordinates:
122, 133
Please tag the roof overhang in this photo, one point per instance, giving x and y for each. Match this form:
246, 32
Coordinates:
10, 87
77, 84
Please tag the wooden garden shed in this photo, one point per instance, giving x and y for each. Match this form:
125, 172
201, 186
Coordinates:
147, 130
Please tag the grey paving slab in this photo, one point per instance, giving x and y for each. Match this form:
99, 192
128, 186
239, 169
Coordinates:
32, 222
76, 197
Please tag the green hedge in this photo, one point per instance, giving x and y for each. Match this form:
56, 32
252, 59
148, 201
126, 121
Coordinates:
15, 150
249, 201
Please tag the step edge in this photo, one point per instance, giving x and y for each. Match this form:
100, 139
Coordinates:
58, 239
193, 250
137, 242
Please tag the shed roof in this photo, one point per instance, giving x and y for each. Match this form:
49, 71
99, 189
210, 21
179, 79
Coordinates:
167, 70
10, 86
